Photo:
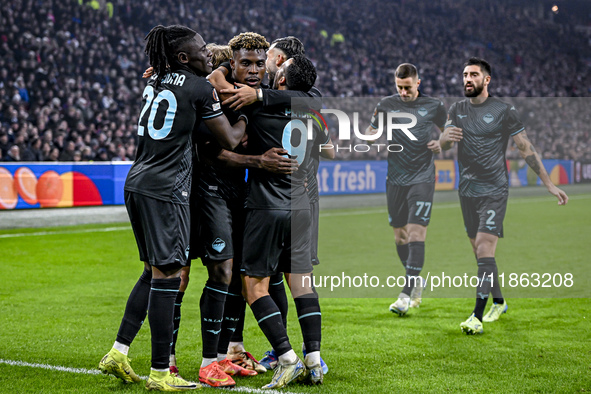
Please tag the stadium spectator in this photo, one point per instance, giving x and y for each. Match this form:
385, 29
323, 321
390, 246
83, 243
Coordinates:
76, 65
13, 154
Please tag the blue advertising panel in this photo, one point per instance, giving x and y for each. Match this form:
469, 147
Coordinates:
352, 177
43, 185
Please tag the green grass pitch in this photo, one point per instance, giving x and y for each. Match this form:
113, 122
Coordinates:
63, 291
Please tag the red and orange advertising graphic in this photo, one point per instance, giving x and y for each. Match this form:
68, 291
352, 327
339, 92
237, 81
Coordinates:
49, 190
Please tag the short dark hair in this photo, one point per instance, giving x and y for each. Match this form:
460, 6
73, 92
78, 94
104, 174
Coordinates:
300, 74
483, 64
249, 41
406, 70
290, 45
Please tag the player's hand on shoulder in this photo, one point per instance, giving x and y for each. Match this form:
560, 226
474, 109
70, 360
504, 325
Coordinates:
275, 160
559, 193
244, 95
148, 73
434, 146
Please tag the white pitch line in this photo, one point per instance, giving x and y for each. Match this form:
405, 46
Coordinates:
51, 367
89, 230
350, 213
322, 214
97, 372
447, 205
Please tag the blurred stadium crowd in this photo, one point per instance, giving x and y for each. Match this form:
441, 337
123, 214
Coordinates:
70, 71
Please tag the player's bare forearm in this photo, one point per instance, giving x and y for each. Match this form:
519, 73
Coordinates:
449, 136
327, 150
532, 158
444, 141
217, 79
236, 160
272, 161
371, 131
227, 136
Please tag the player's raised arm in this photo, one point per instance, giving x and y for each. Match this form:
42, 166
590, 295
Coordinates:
246, 95
228, 136
531, 157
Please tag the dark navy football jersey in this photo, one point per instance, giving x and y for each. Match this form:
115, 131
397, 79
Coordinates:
170, 113
414, 164
212, 179
486, 130
278, 127
313, 164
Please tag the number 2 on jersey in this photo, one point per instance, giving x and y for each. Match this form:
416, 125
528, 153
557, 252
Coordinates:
295, 126
153, 103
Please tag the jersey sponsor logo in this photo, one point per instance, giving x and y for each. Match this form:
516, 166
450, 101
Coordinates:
187, 252
423, 111
216, 106
512, 108
491, 228
395, 110
218, 245
488, 118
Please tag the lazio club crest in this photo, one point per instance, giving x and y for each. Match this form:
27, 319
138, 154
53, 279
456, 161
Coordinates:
488, 118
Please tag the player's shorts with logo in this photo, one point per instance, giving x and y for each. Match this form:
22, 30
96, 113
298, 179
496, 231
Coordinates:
409, 204
221, 224
276, 241
161, 229
484, 214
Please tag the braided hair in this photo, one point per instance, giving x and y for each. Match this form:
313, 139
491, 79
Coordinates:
162, 46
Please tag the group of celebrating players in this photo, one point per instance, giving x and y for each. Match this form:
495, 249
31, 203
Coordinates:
187, 198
